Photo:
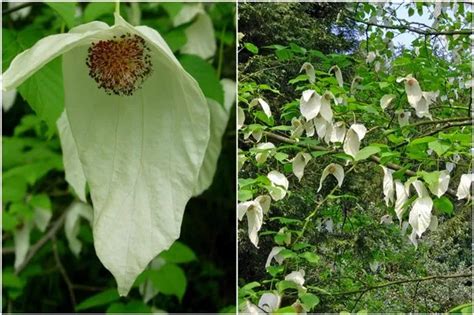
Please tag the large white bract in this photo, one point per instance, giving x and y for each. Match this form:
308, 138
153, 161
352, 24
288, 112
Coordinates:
138, 136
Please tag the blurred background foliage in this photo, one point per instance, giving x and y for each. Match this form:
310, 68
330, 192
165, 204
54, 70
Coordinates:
350, 248
198, 272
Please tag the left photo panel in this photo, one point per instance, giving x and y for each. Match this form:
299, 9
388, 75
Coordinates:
118, 157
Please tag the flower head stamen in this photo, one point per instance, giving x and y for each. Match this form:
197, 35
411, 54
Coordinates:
120, 65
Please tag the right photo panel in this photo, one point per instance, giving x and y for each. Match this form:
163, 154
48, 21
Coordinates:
354, 157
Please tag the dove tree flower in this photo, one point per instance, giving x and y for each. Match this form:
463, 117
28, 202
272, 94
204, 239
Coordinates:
140, 126
354, 136
402, 195
310, 104
275, 254
265, 150
263, 104
335, 170
386, 100
254, 210
338, 74
299, 164
388, 185
279, 185
403, 118
309, 69
420, 214
464, 188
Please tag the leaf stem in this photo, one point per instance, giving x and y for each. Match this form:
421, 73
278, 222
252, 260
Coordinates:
221, 52
117, 7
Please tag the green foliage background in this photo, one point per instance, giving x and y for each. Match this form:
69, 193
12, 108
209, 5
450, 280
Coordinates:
199, 274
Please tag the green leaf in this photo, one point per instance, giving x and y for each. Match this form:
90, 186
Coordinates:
134, 306
245, 195
95, 10
309, 300
438, 147
172, 8
178, 253
286, 310
312, 258
444, 205
44, 93
67, 10
366, 153
205, 75
100, 299
15, 190
175, 39
170, 280
285, 284
9, 222
251, 47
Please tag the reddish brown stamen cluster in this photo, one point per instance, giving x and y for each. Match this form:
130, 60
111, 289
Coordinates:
119, 65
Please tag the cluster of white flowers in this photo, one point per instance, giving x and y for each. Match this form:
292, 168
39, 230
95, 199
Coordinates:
420, 218
418, 99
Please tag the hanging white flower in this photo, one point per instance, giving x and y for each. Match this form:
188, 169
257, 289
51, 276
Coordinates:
279, 185
370, 57
325, 110
296, 277
386, 100
402, 196
420, 214
423, 106
386, 219
335, 170
240, 118
150, 124
338, 74
263, 104
297, 128
464, 188
309, 128
438, 189
310, 104
354, 136
309, 69
241, 159
8, 99
377, 66
321, 126
254, 212
388, 185
265, 150
200, 37
338, 132
269, 302
75, 212
413, 90
404, 118
299, 163
250, 308
274, 254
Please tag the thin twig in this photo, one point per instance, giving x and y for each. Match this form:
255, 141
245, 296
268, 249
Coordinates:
70, 286
40, 243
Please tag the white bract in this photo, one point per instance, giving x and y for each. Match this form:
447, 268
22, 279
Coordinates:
75, 212
441, 186
413, 90
274, 254
370, 57
404, 118
388, 185
310, 104
263, 104
296, 277
141, 135
420, 215
402, 196
298, 128
354, 136
326, 111
309, 69
386, 100
299, 163
254, 211
8, 99
279, 185
464, 188
335, 170
200, 37
269, 302
355, 84
338, 74
265, 150
338, 132
240, 117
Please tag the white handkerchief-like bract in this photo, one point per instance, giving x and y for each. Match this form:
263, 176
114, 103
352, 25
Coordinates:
413, 90
420, 215
263, 104
402, 197
279, 185
274, 254
141, 134
404, 118
296, 277
386, 100
326, 111
438, 189
240, 118
265, 150
269, 302
299, 163
388, 185
464, 188
354, 136
338, 132
335, 170
254, 210
338, 74
200, 37
309, 69
370, 57
310, 104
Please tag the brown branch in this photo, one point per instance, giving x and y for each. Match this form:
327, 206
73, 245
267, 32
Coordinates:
387, 284
431, 122
8, 250
374, 158
69, 284
42, 241
411, 29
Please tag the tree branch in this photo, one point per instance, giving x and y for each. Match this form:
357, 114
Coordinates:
411, 29
387, 284
69, 284
40, 243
